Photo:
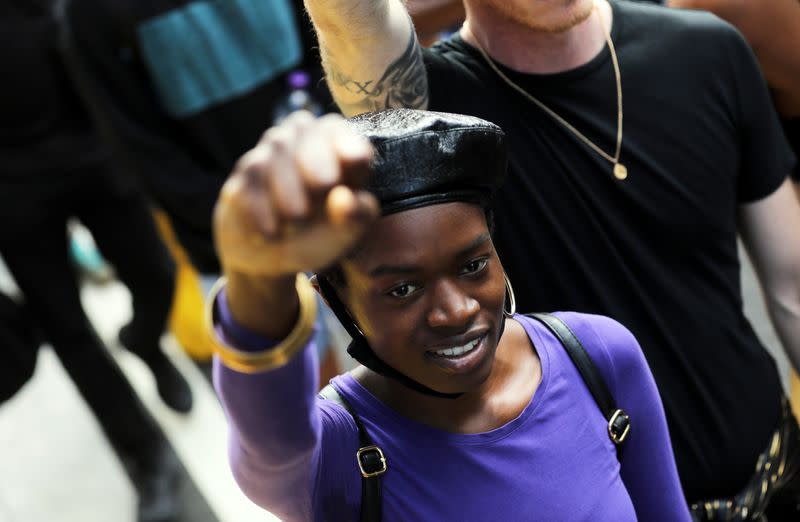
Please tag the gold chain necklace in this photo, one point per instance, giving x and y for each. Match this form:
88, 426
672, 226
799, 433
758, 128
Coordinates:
620, 171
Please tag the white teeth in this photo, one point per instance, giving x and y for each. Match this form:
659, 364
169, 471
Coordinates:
458, 350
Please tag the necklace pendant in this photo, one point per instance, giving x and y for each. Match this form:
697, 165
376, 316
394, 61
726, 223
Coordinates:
620, 171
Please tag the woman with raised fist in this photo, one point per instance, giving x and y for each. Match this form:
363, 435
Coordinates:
460, 409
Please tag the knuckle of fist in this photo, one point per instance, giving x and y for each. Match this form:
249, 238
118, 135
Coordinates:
256, 171
242, 162
230, 187
334, 124
301, 117
266, 135
280, 143
227, 199
331, 119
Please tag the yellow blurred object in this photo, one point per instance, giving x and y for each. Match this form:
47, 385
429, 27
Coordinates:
186, 316
795, 399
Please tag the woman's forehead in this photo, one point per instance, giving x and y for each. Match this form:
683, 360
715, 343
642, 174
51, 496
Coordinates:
436, 230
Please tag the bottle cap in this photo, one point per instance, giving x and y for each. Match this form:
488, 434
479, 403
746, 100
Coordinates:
298, 79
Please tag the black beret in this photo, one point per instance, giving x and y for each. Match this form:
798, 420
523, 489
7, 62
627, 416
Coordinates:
424, 158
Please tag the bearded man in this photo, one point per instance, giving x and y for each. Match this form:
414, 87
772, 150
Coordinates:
641, 141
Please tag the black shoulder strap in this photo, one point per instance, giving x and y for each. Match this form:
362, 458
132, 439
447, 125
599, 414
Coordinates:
619, 423
370, 458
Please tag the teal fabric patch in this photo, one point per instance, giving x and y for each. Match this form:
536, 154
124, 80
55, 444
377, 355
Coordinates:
208, 52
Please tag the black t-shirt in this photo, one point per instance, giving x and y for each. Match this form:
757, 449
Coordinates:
658, 251
44, 129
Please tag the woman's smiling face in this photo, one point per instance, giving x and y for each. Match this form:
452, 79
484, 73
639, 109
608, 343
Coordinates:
427, 289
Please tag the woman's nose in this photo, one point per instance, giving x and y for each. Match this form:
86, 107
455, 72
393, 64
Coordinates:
451, 306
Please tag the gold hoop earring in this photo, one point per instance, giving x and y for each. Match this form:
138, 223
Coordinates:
511, 300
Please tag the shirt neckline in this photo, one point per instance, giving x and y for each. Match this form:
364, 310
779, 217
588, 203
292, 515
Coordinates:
599, 60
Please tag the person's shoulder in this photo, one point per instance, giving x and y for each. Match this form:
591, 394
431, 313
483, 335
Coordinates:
607, 328
452, 50
455, 73
450, 44
335, 417
666, 17
611, 346
669, 26
608, 342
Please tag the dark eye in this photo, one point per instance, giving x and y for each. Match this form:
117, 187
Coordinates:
404, 290
474, 266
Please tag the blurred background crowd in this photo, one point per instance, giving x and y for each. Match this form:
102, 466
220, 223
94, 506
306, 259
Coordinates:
120, 121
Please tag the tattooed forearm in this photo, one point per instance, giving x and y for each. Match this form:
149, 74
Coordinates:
404, 83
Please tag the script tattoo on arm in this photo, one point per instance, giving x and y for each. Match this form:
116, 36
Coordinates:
404, 83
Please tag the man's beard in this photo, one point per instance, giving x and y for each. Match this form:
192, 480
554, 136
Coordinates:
574, 12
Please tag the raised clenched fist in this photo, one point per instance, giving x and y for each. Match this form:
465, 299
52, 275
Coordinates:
296, 201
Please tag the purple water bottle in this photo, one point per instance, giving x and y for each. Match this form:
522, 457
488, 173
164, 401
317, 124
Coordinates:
298, 98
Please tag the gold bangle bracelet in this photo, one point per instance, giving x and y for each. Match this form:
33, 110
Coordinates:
268, 358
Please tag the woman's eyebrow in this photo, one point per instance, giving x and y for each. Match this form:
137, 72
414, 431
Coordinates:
392, 269
477, 242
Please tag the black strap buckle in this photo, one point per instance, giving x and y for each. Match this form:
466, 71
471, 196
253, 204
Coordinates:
619, 426
371, 461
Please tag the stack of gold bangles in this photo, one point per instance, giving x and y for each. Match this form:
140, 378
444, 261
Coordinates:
272, 357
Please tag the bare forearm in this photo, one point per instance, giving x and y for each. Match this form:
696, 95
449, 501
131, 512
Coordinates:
769, 231
347, 18
370, 54
785, 314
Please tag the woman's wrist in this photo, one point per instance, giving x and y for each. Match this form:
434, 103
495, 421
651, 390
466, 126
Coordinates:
234, 333
265, 305
249, 358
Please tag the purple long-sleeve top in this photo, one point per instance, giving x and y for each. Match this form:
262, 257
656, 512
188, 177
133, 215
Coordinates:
294, 453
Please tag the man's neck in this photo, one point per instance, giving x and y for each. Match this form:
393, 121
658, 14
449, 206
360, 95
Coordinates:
529, 51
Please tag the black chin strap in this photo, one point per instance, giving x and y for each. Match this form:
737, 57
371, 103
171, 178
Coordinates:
360, 350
